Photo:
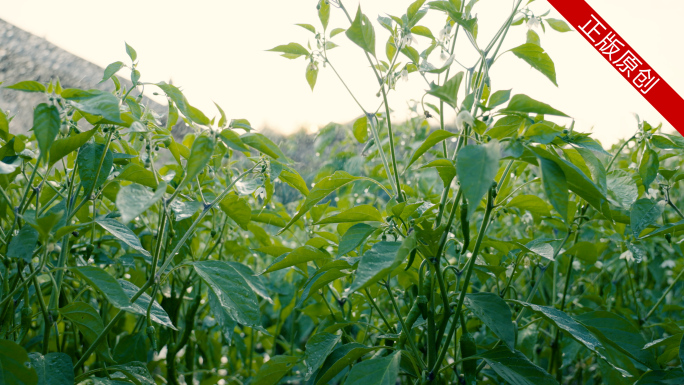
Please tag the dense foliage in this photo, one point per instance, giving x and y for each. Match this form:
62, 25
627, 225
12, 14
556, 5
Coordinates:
503, 248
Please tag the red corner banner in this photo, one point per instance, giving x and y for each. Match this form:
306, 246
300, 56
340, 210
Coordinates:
624, 59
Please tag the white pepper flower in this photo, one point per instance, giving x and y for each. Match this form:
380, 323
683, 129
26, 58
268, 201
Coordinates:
463, 118
404, 74
533, 23
628, 256
576, 265
668, 264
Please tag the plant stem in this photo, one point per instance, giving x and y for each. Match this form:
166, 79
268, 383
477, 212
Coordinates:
662, 297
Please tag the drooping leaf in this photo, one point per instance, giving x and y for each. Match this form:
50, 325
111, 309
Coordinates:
111, 70
339, 359
524, 104
237, 209
498, 98
299, 255
476, 167
103, 282
353, 238
380, 371
274, 370
46, 123
644, 213
88, 322
123, 233
53, 368
535, 56
555, 186
495, 313
95, 102
317, 350
63, 147
321, 190
139, 307
200, 153
515, 368
558, 25
263, 144
135, 199
360, 129
362, 33
88, 160
378, 262
23, 244
648, 167
319, 280
294, 180
564, 322
449, 91
183, 105
13, 365
291, 51
434, 138
234, 293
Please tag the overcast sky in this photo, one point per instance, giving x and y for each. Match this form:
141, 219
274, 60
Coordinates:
216, 51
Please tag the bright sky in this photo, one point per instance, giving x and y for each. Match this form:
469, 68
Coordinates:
216, 51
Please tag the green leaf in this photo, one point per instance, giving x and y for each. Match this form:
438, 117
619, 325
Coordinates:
524, 104
95, 102
23, 244
308, 27
138, 174
531, 203
123, 233
27, 86
131, 52
476, 167
578, 182
558, 25
535, 56
414, 8
336, 31
237, 209
183, 105
263, 144
380, 371
321, 190
533, 38
449, 91
88, 161
616, 331
46, 123
353, 238
622, 188
252, 280
232, 140
644, 213
362, 33
200, 153
88, 322
135, 199
515, 368
648, 167
53, 368
13, 365
139, 307
105, 284
271, 372
378, 262
586, 251
361, 213
63, 147
360, 129
555, 186
291, 51
4, 127
324, 13
311, 74
131, 347
318, 348
322, 278
498, 98
299, 255
565, 323
543, 132
235, 295
422, 31
294, 180
445, 168
339, 359
434, 138
134, 372
111, 70
662, 377
495, 313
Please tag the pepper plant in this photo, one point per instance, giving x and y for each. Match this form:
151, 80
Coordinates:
495, 247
